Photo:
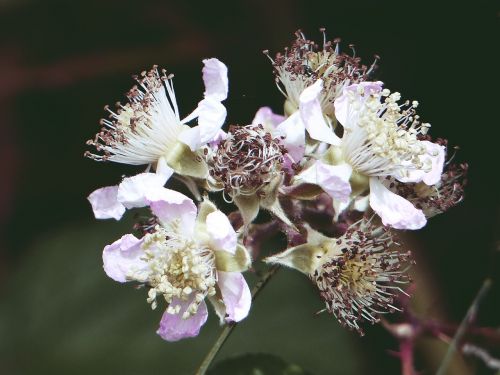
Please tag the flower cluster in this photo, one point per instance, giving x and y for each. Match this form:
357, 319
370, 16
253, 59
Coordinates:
346, 165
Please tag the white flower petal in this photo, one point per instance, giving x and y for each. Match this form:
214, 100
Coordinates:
333, 179
312, 115
215, 79
122, 257
163, 170
221, 231
105, 203
394, 210
174, 328
345, 111
235, 294
134, 191
293, 131
435, 157
211, 116
361, 203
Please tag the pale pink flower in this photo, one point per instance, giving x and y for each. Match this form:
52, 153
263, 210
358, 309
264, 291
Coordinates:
380, 140
148, 130
185, 259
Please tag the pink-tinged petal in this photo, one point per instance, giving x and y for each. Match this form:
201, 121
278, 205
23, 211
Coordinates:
437, 155
343, 107
293, 131
122, 257
236, 295
221, 231
394, 210
215, 79
105, 203
174, 328
333, 179
211, 115
312, 115
171, 206
219, 137
134, 191
266, 117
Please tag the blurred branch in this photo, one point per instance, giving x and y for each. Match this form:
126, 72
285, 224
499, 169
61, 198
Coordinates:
415, 327
469, 317
228, 329
476, 351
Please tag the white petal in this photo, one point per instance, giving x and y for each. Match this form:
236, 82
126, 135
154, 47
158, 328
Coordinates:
394, 210
221, 231
236, 295
134, 191
105, 203
293, 131
333, 179
174, 328
312, 115
163, 170
122, 257
215, 79
361, 203
345, 111
174, 210
435, 157
211, 116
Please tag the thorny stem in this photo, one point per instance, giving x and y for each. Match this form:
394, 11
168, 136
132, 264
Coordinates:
228, 329
463, 326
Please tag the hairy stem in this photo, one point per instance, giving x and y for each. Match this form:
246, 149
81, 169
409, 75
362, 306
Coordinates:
228, 329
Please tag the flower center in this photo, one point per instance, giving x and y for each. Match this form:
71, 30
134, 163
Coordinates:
385, 138
140, 131
356, 276
246, 161
179, 268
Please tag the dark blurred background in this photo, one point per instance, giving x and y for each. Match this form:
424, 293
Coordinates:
62, 61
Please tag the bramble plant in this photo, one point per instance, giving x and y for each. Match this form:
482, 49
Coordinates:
345, 148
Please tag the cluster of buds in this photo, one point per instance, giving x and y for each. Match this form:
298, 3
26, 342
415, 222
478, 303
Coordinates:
345, 166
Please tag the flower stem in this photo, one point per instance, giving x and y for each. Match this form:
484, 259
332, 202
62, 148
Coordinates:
228, 329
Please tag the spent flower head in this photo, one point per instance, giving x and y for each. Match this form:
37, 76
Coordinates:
305, 62
358, 274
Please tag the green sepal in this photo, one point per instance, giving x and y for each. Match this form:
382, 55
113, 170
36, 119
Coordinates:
238, 262
302, 191
304, 258
249, 207
186, 162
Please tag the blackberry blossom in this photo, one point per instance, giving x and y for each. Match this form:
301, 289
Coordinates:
358, 275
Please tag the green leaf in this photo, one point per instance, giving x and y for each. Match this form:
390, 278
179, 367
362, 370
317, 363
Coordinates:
256, 364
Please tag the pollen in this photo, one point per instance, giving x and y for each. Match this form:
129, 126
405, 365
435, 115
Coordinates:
178, 268
386, 136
